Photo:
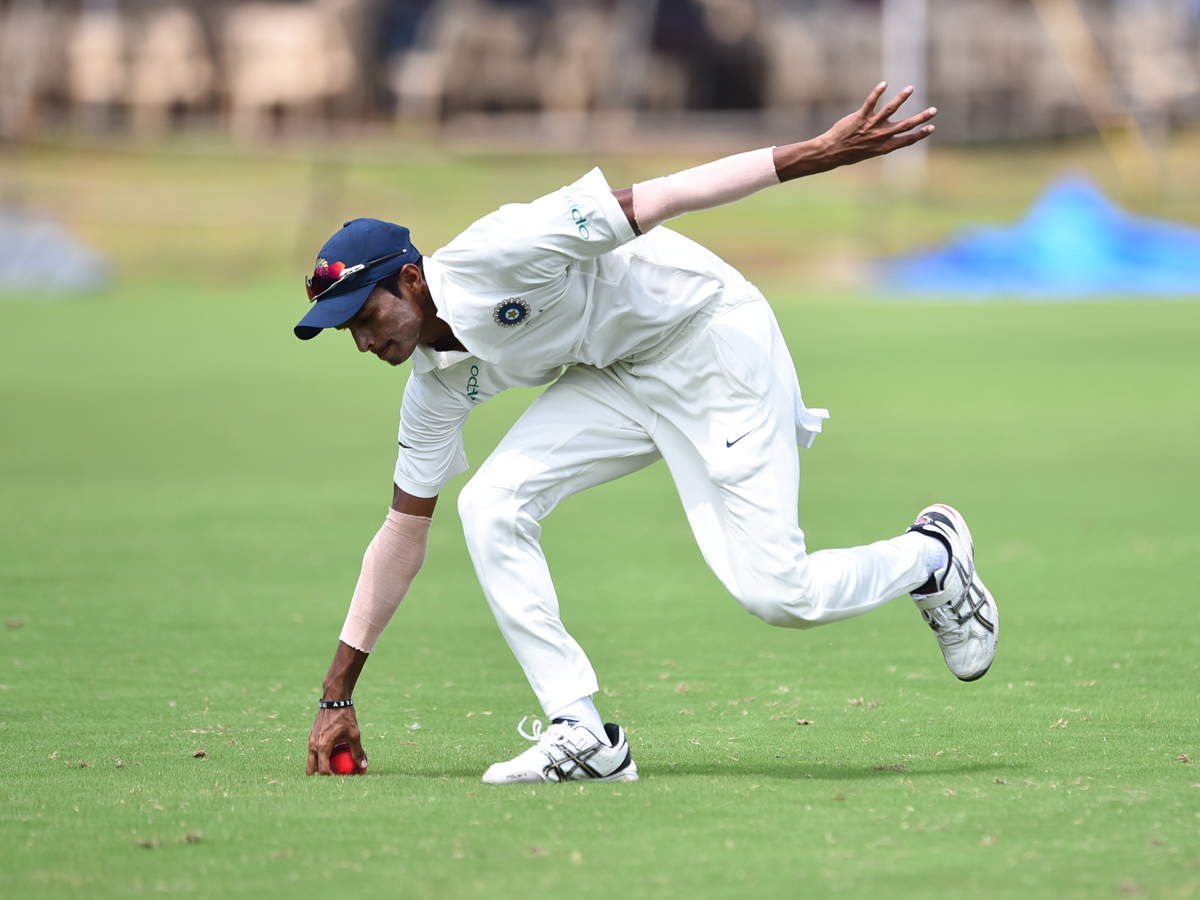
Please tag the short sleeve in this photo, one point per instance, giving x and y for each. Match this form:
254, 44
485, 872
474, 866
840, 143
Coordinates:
527, 244
431, 445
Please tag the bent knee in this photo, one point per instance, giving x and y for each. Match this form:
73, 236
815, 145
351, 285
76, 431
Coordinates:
782, 609
482, 509
471, 500
488, 513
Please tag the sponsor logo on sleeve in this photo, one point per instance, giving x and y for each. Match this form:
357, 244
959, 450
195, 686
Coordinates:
578, 218
510, 312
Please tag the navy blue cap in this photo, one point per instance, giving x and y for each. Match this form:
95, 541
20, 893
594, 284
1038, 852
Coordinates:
370, 250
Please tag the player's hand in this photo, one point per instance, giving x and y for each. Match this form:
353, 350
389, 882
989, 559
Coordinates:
333, 727
865, 133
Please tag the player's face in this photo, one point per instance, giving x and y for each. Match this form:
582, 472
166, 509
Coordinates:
387, 325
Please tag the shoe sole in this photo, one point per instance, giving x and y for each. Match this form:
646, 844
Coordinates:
629, 773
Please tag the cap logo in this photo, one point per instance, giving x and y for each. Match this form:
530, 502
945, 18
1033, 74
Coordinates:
512, 311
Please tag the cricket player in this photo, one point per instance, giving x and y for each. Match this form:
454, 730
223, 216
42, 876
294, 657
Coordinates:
654, 348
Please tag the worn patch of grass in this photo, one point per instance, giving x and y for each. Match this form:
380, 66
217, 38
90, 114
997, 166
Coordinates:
187, 491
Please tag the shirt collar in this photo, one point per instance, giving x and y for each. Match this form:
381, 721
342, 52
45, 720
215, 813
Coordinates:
428, 359
433, 278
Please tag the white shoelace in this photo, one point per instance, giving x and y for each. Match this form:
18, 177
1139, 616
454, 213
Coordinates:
537, 730
948, 626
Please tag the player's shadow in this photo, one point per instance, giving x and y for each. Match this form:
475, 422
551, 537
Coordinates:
450, 773
800, 771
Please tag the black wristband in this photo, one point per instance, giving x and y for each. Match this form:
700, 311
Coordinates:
334, 704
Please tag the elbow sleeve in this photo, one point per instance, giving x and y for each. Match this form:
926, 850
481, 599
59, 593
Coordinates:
389, 566
713, 184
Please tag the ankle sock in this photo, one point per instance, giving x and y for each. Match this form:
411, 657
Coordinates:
937, 559
583, 712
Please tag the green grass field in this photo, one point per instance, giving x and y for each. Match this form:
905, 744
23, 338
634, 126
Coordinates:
187, 491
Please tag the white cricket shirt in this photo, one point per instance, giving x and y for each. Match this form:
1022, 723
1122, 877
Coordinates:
537, 286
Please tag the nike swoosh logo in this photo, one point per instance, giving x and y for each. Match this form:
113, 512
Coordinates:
729, 443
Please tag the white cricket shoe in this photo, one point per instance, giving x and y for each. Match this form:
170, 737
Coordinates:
566, 752
961, 611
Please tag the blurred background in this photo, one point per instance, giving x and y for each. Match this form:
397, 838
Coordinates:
1000, 69
170, 138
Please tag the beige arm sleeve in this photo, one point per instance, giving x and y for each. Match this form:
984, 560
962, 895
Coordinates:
703, 187
389, 566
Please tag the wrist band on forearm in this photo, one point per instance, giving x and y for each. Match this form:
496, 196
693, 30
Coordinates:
334, 704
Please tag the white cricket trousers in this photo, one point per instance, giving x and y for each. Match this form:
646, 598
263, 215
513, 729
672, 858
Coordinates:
720, 409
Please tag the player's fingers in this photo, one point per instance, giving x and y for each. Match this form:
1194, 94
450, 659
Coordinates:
323, 766
909, 124
894, 104
312, 762
360, 756
912, 137
872, 98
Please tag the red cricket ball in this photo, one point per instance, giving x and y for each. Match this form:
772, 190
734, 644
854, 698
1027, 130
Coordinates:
342, 762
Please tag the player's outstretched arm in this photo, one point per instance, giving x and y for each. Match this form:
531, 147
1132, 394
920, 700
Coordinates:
389, 566
861, 135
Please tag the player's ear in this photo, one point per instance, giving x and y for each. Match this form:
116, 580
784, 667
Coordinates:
411, 277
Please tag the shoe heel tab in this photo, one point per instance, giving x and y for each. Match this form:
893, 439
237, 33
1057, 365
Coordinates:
613, 732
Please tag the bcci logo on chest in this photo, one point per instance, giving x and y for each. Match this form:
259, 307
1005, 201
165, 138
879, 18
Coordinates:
512, 311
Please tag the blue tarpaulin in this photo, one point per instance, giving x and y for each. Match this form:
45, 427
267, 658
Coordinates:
43, 258
1074, 241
